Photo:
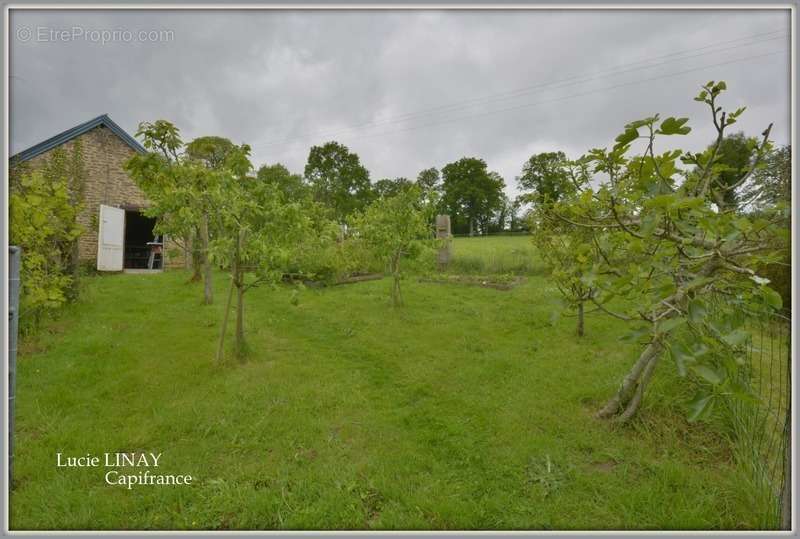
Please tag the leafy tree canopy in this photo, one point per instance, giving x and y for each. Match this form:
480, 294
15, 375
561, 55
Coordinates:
429, 180
733, 158
211, 151
545, 177
387, 187
338, 179
772, 184
471, 194
291, 186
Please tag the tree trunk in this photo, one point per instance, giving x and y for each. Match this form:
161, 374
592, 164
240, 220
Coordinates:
633, 405
626, 401
207, 295
187, 259
240, 344
471, 226
220, 348
580, 319
397, 298
239, 280
197, 258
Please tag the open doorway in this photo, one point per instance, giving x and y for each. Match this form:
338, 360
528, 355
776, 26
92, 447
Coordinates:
139, 240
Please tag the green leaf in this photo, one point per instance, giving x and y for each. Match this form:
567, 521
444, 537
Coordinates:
626, 138
697, 310
742, 393
588, 278
674, 126
649, 223
661, 201
736, 337
697, 282
640, 123
670, 324
708, 374
681, 356
699, 349
700, 407
772, 298
635, 334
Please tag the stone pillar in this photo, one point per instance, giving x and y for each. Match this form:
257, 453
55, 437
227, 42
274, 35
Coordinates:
443, 234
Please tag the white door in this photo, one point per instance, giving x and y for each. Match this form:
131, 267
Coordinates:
110, 239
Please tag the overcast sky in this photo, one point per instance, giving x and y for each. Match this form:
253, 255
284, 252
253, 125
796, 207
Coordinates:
406, 90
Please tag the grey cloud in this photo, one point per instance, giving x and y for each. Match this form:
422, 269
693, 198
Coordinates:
271, 78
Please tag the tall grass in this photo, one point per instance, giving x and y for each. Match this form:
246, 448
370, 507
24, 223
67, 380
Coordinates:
515, 255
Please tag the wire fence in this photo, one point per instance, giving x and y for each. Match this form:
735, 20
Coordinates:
762, 425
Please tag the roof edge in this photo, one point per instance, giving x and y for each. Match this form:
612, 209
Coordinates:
69, 134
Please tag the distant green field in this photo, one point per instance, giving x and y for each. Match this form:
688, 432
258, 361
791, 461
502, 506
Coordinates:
495, 255
466, 409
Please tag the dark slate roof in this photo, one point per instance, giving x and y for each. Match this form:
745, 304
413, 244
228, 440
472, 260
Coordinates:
70, 134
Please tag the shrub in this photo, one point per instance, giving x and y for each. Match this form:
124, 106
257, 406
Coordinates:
43, 223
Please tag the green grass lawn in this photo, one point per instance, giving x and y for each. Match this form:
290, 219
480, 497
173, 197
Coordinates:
465, 409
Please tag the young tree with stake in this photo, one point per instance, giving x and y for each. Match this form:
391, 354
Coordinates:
395, 228
211, 153
568, 252
257, 232
570, 259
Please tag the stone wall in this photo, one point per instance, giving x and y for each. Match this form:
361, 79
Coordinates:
104, 155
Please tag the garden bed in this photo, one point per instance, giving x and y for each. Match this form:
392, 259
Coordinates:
350, 279
498, 282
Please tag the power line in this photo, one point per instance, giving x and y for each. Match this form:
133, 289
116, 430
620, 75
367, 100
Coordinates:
564, 98
510, 94
520, 92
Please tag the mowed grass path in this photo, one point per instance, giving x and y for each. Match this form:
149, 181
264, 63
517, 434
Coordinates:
465, 409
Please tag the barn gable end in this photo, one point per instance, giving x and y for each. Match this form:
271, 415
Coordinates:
106, 148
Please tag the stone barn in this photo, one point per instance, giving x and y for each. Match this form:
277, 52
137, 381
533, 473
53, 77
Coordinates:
117, 235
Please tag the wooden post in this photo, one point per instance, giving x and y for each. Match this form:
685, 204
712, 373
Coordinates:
14, 256
443, 233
